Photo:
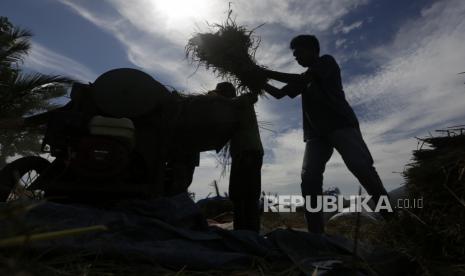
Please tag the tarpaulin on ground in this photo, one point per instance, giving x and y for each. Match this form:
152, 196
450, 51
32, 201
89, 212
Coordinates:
172, 232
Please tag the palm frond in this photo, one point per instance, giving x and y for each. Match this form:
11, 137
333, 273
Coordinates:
25, 93
14, 53
26, 83
14, 43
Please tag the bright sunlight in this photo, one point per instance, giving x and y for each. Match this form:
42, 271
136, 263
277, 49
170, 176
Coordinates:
176, 10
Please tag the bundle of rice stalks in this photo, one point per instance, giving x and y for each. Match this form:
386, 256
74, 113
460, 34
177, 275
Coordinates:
229, 50
434, 234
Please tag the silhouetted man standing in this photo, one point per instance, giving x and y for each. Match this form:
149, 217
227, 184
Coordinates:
246, 160
329, 123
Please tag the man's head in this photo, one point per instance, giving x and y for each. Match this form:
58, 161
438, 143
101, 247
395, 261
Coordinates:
306, 49
226, 89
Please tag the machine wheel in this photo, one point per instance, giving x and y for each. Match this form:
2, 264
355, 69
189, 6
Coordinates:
16, 178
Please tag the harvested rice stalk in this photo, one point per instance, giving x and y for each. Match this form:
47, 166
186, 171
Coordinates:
229, 50
21, 240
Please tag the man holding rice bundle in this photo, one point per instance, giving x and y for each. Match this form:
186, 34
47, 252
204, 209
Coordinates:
246, 159
329, 123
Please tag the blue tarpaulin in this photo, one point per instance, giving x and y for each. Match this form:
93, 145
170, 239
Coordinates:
172, 232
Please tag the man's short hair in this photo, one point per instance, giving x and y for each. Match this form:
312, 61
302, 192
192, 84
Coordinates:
226, 89
305, 41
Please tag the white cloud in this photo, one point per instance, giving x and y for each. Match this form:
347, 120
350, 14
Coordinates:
340, 42
287, 150
345, 29
151, 44
47, 61
418, 85
312, 15
208, 171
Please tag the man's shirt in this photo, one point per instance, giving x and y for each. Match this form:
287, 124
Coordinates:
247, 136
324, 105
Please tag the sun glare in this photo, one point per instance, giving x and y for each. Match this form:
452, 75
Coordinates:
182, 9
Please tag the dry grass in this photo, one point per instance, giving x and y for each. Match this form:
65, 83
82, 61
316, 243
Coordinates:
23, 262
229, 50
271, 221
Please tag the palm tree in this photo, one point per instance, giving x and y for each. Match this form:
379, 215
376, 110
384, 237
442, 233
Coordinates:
22, 94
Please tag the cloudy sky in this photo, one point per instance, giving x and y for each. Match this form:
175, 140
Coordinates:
400, 62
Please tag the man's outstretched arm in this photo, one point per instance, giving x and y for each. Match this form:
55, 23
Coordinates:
283, 77
291, 90
273, 91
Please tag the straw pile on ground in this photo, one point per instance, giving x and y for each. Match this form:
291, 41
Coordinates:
435, 234
229, 50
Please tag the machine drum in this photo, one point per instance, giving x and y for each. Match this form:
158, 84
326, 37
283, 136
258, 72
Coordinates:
127, 92
98, 156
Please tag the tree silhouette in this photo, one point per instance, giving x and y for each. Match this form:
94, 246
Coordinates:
22, 94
